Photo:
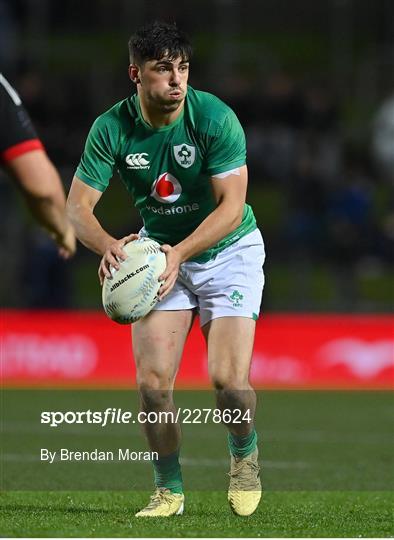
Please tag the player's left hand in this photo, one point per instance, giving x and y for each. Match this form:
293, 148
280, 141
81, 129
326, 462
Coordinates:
170, 274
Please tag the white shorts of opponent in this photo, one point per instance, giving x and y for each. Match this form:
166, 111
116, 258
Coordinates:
230, 285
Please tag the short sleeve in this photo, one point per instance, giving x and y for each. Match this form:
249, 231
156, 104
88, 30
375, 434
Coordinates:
17, 134
97, 163
227, 150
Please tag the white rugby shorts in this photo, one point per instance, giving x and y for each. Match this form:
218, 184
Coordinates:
230, 285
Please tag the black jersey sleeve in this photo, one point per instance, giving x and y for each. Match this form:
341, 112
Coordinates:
17, 133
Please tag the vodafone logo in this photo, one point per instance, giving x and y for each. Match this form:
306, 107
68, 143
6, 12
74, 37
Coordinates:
166, 188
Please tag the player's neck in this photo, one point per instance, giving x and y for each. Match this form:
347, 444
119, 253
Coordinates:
158, 118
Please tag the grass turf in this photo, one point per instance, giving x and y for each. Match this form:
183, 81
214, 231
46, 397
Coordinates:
281, 514
327, 470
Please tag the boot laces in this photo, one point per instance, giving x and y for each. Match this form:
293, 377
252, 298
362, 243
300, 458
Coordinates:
243, 475
160, 495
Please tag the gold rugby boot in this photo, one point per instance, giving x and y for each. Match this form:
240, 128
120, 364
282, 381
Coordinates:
244, 492
163, 503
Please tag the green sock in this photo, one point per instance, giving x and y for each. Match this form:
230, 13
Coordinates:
242, 446
168, 472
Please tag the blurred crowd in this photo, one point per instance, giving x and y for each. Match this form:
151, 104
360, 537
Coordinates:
331, 189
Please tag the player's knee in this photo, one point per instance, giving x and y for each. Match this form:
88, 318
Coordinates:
155, 400
233, 398
155, 390
154, 378
230, 381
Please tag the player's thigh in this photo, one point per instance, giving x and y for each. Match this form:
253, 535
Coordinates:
231, 285
230, 346
158, 341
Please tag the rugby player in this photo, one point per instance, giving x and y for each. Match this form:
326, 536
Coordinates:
24, 157
181, 155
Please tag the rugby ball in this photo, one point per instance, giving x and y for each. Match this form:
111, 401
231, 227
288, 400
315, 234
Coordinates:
132, 291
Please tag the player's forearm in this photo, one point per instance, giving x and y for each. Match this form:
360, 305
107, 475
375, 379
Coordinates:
222, 221
50, 213
88, 230
41, 186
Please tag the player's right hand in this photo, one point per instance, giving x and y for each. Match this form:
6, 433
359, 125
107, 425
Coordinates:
113, 255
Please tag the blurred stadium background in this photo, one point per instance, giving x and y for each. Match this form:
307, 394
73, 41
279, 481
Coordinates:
312, 83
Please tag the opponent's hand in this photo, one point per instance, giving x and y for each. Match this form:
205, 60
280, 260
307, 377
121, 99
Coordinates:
67, 243
170, 274
113, 254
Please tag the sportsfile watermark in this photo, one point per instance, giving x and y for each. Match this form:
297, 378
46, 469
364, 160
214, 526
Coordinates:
94, 439
113, 415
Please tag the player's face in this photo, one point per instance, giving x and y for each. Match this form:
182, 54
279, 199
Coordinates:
164, 82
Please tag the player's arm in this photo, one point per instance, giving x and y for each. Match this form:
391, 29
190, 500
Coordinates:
24, 157
41, 186
81, 202
230, 194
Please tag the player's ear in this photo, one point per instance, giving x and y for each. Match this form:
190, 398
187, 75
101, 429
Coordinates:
134, 73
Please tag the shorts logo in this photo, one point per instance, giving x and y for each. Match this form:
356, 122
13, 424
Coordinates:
166, 188
137, 161
185, 155
236, 298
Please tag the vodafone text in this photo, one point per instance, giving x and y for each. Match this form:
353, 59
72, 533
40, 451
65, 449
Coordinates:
173, 210
116, 416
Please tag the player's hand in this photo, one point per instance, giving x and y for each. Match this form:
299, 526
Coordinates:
170, 274
113, 255
66, 243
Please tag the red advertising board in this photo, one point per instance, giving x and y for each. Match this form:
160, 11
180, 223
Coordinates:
291, 351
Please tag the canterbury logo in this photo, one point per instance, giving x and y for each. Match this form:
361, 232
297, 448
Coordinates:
137, 161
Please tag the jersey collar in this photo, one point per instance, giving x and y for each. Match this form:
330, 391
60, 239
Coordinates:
163, 128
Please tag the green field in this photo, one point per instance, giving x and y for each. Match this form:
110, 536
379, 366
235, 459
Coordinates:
327, 461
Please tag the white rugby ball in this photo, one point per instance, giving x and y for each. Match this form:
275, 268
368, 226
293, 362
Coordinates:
133, 290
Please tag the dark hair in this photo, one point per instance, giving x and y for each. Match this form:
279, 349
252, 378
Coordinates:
158, 39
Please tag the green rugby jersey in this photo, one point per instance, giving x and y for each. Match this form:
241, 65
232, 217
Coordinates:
167, 170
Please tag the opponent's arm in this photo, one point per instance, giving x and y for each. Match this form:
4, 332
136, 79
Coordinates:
230, 194
81, 202
41, 186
